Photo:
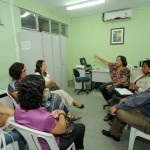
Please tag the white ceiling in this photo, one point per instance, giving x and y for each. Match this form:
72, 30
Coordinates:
110, 5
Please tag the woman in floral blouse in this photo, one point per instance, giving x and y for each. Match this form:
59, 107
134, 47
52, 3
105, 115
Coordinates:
120, 76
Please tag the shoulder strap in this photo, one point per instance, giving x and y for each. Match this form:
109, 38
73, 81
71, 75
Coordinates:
141, 78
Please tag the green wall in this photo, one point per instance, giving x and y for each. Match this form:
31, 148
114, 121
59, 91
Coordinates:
90, 35
9, 45
87, 36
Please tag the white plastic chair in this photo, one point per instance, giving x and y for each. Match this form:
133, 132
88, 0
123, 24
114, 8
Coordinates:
133, 134
13, 100
31, 136
13, 145
129, 66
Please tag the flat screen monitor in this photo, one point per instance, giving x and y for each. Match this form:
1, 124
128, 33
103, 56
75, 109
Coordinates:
83, 61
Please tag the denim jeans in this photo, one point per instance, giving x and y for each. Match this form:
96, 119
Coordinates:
16, 137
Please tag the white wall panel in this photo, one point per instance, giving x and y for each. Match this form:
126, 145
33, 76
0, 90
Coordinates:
56, 58
48, 52
63, 45
31, 49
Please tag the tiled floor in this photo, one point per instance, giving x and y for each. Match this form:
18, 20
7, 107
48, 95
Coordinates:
93, 119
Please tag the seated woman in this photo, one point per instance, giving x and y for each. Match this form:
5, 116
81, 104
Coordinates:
141, 84
31, 92
67, 99
51, 101
13, 135
120, 75
17, 71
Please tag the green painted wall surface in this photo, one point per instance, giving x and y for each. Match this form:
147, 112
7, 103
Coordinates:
91, 36
7, 44
87, 36
8, 48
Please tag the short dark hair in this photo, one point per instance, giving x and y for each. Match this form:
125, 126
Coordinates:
147, 62
38, 67
15, 70
30, 92
123, 60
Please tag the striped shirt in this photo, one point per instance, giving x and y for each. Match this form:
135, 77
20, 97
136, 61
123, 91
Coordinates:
13, 86
117, 76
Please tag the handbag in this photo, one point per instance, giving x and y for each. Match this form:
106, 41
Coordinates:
70, 128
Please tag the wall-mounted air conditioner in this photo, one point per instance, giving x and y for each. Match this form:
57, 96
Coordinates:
117, 15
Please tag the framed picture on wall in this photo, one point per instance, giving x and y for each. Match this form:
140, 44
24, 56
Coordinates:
117, 36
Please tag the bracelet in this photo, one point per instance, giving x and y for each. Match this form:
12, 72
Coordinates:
61, 114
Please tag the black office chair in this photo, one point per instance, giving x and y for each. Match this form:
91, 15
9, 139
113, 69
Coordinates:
80, 79
106, 105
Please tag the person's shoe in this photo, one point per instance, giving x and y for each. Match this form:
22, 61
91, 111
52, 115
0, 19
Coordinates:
107, 133
110, 122
82, 106
75, 118
108, 117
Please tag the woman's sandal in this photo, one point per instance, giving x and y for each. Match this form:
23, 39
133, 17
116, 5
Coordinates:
82, 106
72, 117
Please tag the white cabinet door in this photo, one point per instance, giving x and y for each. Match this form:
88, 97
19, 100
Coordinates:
31, 49
48, 52
56, 58
63, 43
48, 47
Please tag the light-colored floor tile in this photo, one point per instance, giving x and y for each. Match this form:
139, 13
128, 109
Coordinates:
93, 114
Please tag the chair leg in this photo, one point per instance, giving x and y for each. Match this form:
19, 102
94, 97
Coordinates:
132, 138
105, 106
83, 90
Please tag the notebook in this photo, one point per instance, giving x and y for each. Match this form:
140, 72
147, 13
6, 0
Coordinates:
123, 91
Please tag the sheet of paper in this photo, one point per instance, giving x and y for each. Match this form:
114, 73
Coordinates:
123, 91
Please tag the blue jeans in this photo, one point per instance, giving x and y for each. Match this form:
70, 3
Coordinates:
17, 137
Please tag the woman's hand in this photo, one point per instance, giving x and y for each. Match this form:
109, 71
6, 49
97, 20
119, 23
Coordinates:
61, 112
109, 86
60, 127
123, 99
51, 80
96, 56
123, 80
55, 113
113, 110
131, 86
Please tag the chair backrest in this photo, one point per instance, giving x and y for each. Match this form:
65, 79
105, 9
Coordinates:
129, 66
13, 100
76, 73
31, 136
133, 134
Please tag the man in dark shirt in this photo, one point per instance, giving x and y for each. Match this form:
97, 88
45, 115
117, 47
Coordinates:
133, 110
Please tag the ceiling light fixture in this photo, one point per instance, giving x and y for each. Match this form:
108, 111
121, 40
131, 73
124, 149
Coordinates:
86, 4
